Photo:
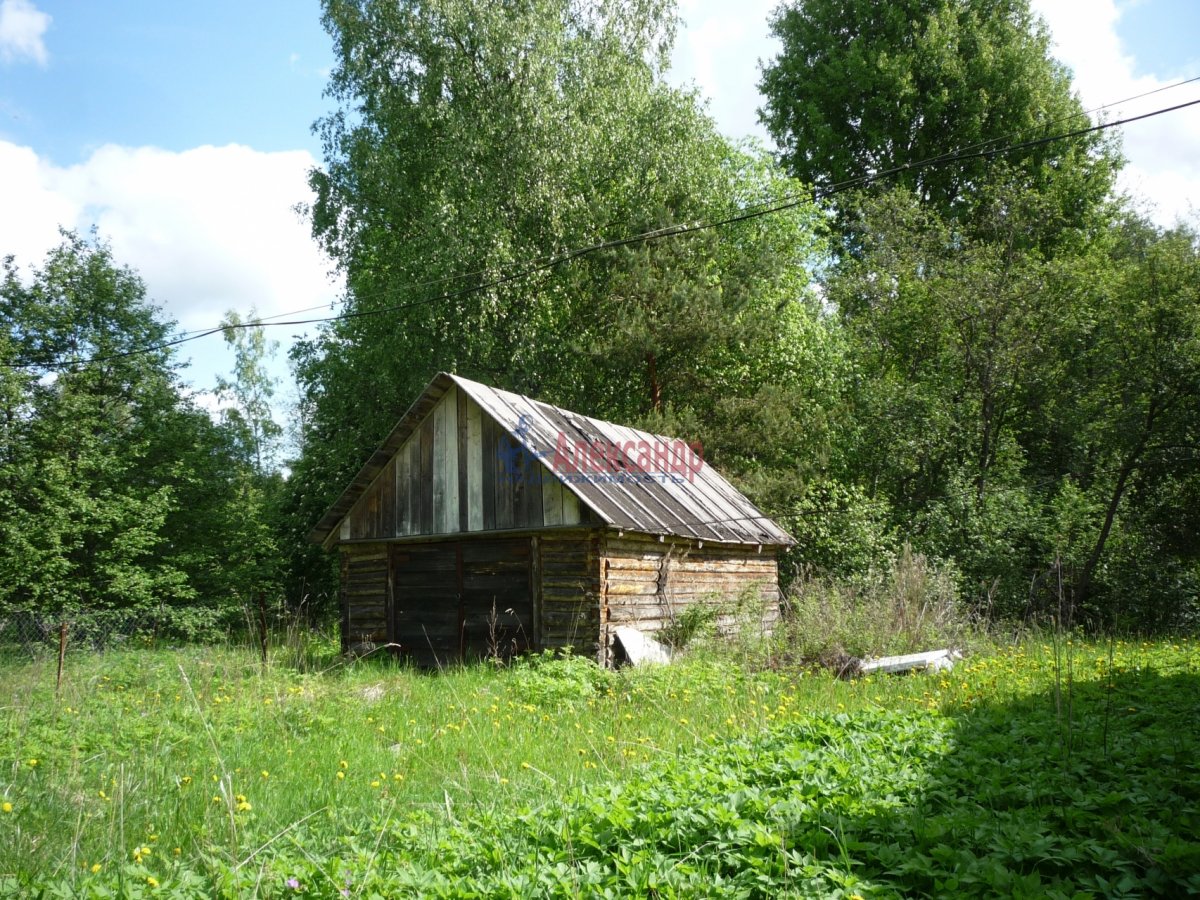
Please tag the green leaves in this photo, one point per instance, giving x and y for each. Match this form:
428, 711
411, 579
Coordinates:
116, 492
862, 87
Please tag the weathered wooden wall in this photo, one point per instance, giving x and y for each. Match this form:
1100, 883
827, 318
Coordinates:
364, 589
448, 600
459, 472
456, 600
647, 583
568, 568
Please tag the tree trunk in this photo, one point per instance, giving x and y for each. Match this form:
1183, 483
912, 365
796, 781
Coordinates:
652, 377
1127, 469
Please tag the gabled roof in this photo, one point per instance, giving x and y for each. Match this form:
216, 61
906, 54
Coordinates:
685, 497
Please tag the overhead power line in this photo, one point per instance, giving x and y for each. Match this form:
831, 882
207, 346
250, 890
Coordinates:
976, 151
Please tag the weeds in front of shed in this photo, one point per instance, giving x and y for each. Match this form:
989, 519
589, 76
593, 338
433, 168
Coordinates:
550, 777
909, 606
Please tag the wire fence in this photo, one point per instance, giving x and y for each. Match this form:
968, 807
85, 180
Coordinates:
29, 635
52, 640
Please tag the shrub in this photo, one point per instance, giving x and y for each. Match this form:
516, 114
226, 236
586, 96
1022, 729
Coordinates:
910, 606
556, 678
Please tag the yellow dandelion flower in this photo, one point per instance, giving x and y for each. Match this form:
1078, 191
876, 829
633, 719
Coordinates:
526, 765
504, 781
152, 881
96, 867
398, 777
343, 764
243, 806
375, 784
216, 799
265, 773
33, 763
6, 806
341, 776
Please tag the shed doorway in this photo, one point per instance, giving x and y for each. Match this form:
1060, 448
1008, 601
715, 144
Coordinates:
454, 601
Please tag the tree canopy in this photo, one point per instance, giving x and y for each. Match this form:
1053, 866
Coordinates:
472, 145
115, 488
861, 88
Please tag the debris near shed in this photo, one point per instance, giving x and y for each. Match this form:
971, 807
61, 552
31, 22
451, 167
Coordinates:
636, 648
929, 661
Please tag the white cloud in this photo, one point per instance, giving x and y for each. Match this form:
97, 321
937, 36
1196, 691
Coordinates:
208, 229
1163, 152
719, 48
22, 26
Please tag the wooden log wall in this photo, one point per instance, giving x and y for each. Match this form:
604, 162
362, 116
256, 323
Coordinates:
364, 595
568, 568
647, 583
458, 472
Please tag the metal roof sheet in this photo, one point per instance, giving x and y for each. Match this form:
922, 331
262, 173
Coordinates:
684, 497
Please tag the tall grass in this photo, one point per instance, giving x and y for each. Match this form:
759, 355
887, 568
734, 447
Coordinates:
203, 771
907, 606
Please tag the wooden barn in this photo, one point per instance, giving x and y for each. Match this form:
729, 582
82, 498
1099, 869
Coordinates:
488, 522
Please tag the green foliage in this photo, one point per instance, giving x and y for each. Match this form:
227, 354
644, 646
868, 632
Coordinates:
253, 564
116, 492
882, 787
90, 479
909, 606
861, 87
1004, 411
694, 621
550, 678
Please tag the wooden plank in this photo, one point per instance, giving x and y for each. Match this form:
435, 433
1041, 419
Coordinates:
535, 590
425, 478
571, 514
407, 472
400, 478
440, 473
507, 486
552, 491
385, 484
528, 512
449, 464
458, 564
464, 519
474, 467
930, 661
487, 470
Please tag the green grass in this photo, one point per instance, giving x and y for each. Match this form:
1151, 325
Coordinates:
1034, 771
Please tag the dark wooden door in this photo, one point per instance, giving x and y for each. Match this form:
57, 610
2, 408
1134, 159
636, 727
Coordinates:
457, 600
497, 606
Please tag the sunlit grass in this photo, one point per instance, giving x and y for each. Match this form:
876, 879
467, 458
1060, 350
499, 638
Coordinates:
196, 766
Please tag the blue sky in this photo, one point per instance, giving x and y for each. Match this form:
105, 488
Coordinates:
182, 130
174, 75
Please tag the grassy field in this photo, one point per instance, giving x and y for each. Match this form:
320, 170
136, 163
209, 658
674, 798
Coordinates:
1051, 769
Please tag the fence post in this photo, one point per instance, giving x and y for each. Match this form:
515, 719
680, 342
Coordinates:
62, 653
262, 626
